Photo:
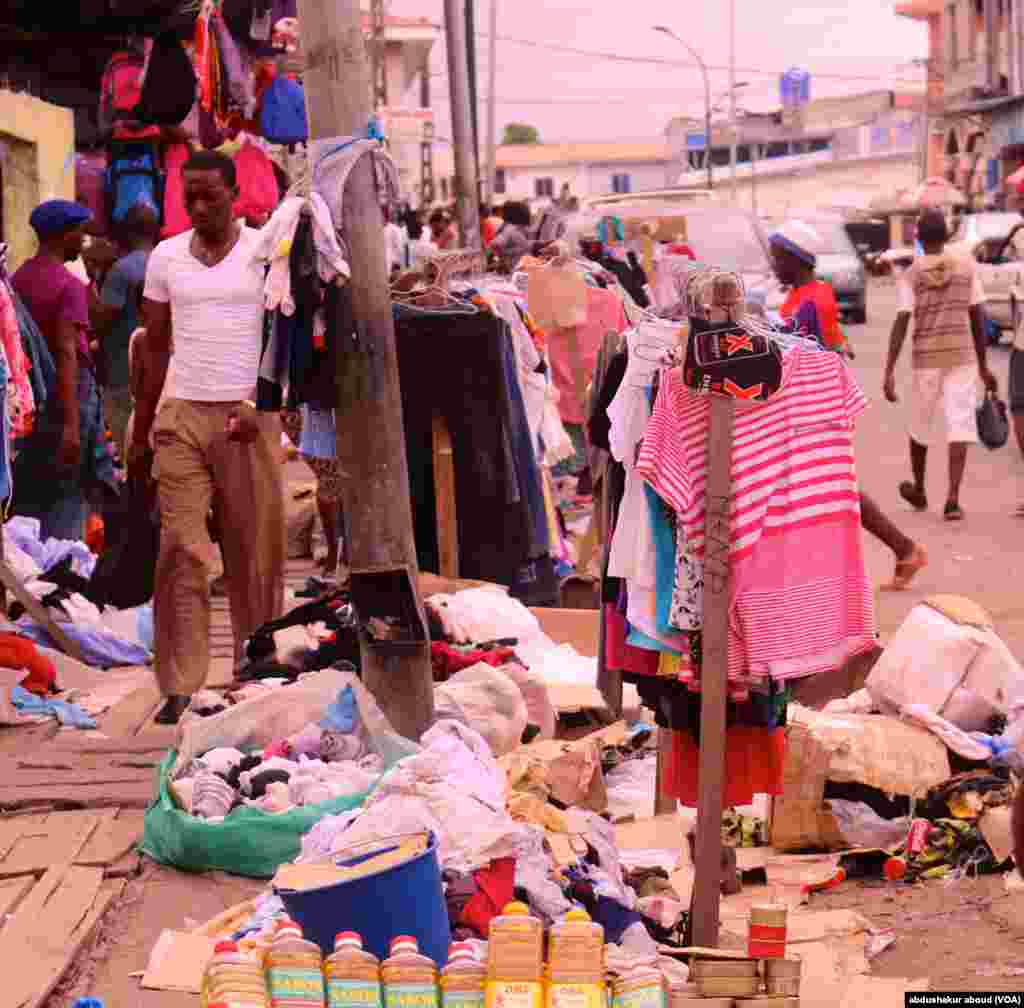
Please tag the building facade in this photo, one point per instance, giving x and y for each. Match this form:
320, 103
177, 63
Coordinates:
976, 90
538, 173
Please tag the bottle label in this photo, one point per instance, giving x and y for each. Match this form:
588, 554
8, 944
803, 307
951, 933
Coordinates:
576, 995
462, 999
353, 994
644, 997
502, 994
403, 995
294, 986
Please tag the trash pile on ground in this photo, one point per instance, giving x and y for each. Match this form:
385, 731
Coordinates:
363, 833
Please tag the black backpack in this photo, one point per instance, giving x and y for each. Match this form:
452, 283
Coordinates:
169, 88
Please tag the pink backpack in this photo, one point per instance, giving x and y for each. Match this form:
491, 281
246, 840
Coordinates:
257, 184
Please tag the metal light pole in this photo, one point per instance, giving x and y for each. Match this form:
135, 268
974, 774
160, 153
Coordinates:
732, 97
707, 95
467, 191
492, 101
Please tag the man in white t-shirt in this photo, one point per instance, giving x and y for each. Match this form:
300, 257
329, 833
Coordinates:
203, 309
944, 295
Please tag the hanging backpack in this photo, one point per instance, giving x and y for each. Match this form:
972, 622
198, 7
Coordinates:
283, 118
258, 193
91, 187
120, 94
133, 176
169, 89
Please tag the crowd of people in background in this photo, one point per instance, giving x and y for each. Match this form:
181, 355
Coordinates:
507, 232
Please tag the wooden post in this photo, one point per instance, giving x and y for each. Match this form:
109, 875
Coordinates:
371, 440
713, 677
663, 803
444, 500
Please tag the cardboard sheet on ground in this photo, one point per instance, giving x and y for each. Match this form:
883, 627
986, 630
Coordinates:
178, 961
803, 926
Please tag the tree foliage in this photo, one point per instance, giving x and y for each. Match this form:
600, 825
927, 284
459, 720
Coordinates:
520, 133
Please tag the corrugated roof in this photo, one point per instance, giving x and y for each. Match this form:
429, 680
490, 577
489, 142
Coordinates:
538, 155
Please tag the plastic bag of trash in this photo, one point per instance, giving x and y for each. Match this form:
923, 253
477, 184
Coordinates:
862, 826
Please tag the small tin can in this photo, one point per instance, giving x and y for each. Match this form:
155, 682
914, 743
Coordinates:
917, 836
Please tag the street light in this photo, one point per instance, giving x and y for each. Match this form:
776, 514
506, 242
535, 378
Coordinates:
707, 95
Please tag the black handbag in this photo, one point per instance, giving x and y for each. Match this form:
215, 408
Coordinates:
993, 422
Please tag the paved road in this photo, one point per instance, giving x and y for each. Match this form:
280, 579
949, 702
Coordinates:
980, 557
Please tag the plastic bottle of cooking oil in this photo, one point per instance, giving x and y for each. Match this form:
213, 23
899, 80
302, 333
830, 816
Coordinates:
515, 957
233, 977
576, 963
463, 979
295, 969
409, 978
352, 974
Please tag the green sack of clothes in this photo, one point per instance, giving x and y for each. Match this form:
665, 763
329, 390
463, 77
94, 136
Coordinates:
248, 842
251, 841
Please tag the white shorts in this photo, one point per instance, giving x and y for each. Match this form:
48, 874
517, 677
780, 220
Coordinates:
953, 392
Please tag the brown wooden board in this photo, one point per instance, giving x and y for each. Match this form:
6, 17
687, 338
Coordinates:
56, 839
138, 795
124, 719
12, 891
114, 839
58, 936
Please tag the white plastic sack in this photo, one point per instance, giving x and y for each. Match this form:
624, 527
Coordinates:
283, 712
860, 702
485, 699
862, 826
484, 614
960, 742
931, 658
631, 788
540, 711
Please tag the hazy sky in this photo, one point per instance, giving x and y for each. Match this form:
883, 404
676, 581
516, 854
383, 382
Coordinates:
578, 97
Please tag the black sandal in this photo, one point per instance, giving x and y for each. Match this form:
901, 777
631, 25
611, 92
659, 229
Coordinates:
953, 512
914, 497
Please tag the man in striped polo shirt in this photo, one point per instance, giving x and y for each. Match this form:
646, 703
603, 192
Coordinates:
944, 294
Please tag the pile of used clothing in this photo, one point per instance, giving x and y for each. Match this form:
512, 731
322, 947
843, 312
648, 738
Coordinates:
456, 789
315, 635
317, 764
61, 573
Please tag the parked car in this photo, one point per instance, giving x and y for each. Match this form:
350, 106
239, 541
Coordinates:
840, 265
981, 235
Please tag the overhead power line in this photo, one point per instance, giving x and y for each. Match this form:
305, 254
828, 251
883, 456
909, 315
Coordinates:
659, 61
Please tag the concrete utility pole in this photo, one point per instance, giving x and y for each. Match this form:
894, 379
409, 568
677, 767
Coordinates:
491, 165
371, 438
467, 201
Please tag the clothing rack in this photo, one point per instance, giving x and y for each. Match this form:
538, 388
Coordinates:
707, 888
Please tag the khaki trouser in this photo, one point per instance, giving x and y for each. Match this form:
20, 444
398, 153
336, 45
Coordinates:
197, 467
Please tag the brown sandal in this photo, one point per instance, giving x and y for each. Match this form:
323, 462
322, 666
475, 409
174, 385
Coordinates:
906, 570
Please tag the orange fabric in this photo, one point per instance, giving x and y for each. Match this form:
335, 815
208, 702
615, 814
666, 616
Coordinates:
814, 307
754, 760
489, 229
18, 653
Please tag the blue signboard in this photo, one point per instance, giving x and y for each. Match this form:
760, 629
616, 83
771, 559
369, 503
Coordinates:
696, 141
795, 88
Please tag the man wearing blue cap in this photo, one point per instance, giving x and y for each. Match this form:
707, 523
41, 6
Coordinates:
65, 456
